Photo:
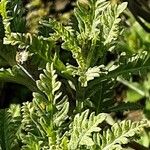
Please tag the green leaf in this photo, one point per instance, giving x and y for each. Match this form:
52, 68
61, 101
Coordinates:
83, 128
10, 121
133, 96
44, 118
119, 133
122, 7
110, 21
18, 75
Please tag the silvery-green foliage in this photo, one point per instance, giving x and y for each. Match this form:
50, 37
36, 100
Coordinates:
90, 41
3, 12
10, 121
38, 47
118, 134
83, 127
44, 117
86, 132
49, 122
110, 20
43, 122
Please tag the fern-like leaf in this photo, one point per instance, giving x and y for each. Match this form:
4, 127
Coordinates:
110, 20
43, 119
125, 66
4, 12
120, 133
10, 121
88, 43
83, 127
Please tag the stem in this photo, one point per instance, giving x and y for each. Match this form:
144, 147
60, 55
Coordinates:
80, 97
131, 86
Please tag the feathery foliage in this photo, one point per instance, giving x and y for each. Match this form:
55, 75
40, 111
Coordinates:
10, 121
75, 92
88, 44
83, 129
119, 133
43, 118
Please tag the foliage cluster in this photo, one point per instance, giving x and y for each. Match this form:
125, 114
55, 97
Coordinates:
74, 95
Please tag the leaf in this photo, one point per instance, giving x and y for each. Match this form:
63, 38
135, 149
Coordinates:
119, 133
10, 121
90, 74
18, 75
126, 66
133, 96
122, 7
4, 12
45, 116
83, 128
110, 21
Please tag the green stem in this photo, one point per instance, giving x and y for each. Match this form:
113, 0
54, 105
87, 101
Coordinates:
131, 86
